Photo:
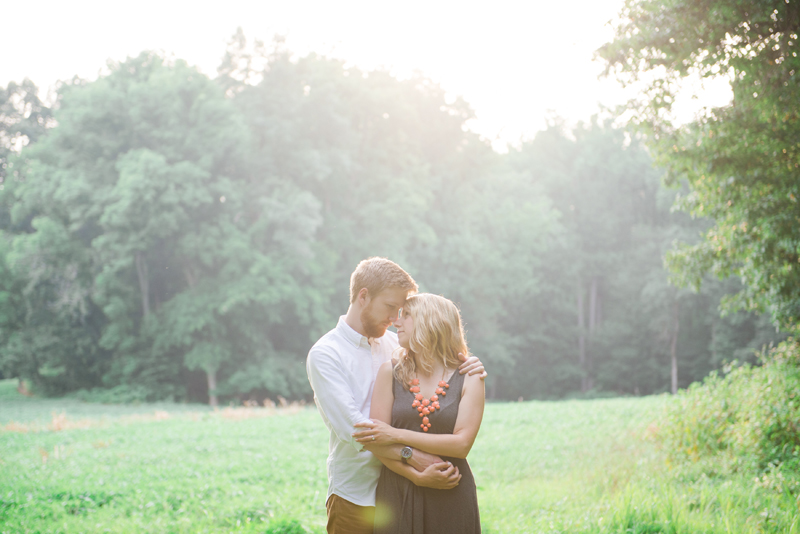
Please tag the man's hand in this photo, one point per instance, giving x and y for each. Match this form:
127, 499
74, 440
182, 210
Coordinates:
421, 460
471, 365
441, 475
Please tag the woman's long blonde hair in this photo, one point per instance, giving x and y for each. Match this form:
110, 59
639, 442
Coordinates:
438, 336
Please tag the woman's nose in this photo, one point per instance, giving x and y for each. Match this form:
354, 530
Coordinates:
396, 320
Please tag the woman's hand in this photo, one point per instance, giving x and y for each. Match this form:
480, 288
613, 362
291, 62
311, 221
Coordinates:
376, 432
442, 475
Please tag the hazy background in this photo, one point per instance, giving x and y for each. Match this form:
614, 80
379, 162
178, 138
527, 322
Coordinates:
515, 62
175, 232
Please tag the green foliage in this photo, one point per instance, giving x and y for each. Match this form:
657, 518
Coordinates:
741, 164
746, 420
121, 394
741, 160
615, 224
173, 236
23, 119
189, 252
41, 309
49, 326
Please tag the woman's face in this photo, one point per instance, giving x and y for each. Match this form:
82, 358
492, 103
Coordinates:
405, 327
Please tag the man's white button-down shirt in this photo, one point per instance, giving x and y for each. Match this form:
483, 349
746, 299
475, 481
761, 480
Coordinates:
342, 367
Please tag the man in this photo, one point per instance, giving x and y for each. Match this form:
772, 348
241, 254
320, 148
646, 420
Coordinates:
342, 367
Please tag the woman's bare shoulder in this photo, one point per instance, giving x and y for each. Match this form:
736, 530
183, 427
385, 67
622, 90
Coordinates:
473, 382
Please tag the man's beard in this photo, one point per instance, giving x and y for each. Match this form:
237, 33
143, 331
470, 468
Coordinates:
372, 328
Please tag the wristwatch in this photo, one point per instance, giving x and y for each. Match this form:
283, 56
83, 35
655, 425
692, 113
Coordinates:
405, 454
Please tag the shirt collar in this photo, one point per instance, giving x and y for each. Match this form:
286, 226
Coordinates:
352, 336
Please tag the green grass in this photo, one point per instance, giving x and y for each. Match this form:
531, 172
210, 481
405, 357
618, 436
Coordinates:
571, 466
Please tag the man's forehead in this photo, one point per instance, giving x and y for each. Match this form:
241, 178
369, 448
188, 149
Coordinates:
394, 295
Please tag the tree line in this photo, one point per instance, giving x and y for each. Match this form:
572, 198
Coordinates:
164, 234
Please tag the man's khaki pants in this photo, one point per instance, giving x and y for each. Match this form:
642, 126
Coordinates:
345, 517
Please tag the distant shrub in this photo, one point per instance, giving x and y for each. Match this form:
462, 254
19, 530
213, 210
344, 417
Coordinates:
122, 394
752, 414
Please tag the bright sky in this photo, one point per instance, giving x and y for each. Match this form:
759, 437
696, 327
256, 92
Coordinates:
515, 61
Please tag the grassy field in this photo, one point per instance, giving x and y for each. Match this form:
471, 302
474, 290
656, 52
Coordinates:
571, 466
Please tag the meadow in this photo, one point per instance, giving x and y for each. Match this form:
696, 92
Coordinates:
585, 466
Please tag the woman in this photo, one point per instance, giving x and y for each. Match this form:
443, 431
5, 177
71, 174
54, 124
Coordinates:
431, 407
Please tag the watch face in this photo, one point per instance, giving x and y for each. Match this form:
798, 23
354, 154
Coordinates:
406, 452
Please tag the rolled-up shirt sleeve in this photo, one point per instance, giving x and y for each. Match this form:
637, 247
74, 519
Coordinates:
333, 396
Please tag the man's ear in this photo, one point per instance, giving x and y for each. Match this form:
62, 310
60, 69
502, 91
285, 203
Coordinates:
363, 297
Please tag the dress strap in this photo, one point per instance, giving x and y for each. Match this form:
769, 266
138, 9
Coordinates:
456, 384
397, 387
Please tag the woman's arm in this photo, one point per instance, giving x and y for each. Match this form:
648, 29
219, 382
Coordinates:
442, 475
456, 445
383, 395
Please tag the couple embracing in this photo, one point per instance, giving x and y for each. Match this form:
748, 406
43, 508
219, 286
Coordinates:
403, 409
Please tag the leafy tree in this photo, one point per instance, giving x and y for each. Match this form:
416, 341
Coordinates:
371, 149
613, 321
741, 160
23, 119
50, 327
396, 175
190, 248
494, 233
47, 328
604, 192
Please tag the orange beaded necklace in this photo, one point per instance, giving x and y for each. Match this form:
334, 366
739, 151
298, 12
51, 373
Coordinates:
425, 406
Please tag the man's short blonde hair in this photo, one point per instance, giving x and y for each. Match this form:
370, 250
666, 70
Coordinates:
377, 274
